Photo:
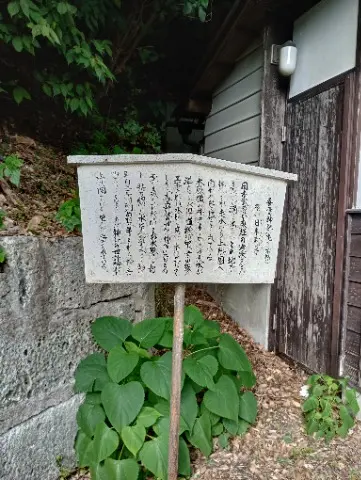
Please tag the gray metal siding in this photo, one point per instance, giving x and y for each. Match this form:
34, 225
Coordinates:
232, 130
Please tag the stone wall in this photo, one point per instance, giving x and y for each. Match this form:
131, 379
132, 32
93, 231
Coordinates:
45, 314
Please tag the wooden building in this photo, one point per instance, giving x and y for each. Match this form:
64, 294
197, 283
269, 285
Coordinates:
309, 125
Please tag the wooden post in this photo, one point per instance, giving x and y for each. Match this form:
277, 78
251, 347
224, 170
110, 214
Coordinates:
178, 330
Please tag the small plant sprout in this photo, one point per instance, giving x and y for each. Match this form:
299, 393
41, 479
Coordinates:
330, 407
2, 255
10, 169
69, 215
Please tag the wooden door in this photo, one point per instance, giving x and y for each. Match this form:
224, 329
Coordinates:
304, 292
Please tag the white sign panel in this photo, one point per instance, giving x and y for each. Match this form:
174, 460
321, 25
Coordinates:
155, 220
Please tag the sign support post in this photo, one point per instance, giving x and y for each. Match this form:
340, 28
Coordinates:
175, 400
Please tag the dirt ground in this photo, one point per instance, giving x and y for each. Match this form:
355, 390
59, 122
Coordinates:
276, 448
46, 182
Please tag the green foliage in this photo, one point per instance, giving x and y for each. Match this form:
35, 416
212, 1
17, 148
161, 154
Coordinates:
2, 255
124, 420
69, 215
330, 407
10, 169
2, 216
120, 137
91, 41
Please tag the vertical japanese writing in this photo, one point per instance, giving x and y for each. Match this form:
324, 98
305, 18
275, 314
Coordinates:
153, 224
128, 213
221, 251
177, 218
141, 221
101, 191
233, 212
211, 219
117, 259
257, 229
167, 207
188, 230
269, 228
199, 224
243, 228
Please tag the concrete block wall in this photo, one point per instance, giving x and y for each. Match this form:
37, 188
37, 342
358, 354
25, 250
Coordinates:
45, 314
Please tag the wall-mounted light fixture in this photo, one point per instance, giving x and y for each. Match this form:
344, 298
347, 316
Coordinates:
285, 56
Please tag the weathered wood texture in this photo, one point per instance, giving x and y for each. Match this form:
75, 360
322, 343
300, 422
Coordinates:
274, 99
352, 340
306, 274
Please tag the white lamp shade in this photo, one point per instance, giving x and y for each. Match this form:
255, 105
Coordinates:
288, 59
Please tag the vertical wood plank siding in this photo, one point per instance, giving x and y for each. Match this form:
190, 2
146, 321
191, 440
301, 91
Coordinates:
305, 286
232, 130
352, 341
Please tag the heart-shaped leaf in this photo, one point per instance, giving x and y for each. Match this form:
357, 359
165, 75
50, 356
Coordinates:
248, 407
213, 417
111, 331
231, 355
202, 370
88, 417
167, 338
202, 436
93, 398
105, 442
133, 438
148, 416
84, 449
133, 348
243, 426
149, 331
90, 370
217, 429
210, 329
193, 317
223, 440
119, 469
231, 426
194, 337
189, 408
223, 400
157, 375
122, 403
154, 456
247, 379
163, 425
120, 363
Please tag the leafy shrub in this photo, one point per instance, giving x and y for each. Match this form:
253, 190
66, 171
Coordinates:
79, 46
330, 407
119, 137
10, 169
69, 215
124, 420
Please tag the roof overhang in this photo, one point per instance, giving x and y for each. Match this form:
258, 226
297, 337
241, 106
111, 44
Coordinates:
244, 23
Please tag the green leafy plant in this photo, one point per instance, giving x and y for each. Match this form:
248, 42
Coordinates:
2, 255
92, 41
69, 215
10, 169
2, 216
330, 407
120, 137
124, 420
